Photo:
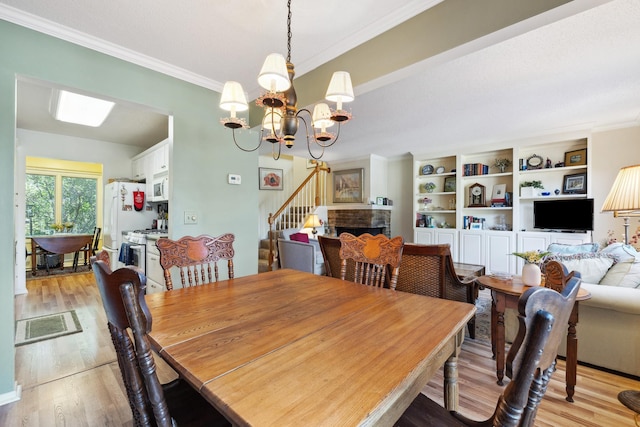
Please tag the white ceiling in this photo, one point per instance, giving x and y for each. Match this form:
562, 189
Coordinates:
579, 72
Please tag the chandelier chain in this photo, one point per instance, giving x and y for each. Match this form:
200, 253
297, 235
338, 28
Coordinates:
289, 32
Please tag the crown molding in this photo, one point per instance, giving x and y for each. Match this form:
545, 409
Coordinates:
56, 30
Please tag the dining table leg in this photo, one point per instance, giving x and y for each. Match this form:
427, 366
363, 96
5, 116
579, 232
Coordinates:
451, 394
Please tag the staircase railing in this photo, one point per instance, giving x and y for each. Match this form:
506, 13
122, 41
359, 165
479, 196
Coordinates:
310, 194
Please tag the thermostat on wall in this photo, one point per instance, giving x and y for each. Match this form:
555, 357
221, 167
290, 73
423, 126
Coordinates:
234, 179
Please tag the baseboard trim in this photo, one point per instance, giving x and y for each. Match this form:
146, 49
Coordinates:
607, 370
12, 396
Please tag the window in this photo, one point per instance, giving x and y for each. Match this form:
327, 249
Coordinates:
62, 196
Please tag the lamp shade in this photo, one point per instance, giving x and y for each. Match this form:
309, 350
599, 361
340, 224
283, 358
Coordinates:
272, 119
322, 116
340, 88
233, 98
312, 221
273, 75
625, 193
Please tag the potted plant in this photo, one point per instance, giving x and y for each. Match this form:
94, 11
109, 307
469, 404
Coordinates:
531, 275
502, 164
527, 188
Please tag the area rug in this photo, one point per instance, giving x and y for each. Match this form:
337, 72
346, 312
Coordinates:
57, 272
46, 327
483, 316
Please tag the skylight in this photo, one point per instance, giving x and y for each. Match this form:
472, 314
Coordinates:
80, 109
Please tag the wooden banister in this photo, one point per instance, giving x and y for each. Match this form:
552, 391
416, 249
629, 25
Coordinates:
317, 188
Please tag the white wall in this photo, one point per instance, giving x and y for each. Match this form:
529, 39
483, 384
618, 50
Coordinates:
612, 150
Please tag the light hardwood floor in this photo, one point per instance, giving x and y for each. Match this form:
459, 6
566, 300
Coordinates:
75, 380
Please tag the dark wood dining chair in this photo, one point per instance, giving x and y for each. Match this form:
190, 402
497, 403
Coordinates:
136, 363
543, 315
330, 248
371, 256
428, 270
194, 257
556, 275
89, 249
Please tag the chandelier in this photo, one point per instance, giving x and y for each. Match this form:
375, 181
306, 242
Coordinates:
281, 115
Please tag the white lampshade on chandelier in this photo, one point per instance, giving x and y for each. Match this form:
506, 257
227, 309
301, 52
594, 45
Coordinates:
281, 114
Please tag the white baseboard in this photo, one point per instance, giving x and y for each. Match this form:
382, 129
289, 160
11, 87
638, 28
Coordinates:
12, 396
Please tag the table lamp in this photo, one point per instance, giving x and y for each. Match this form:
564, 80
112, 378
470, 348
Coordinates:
312, 222
624, 198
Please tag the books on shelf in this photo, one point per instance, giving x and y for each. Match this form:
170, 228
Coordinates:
472, 169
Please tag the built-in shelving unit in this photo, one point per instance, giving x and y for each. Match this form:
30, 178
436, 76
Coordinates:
489, 233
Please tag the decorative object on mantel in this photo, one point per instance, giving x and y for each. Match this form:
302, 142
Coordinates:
624, 198
502, 164
531, 274
281, 117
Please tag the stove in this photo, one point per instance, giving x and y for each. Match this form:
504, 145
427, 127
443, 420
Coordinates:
140, 236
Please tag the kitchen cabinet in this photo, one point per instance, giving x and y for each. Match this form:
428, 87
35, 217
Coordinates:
155, 273
161, 159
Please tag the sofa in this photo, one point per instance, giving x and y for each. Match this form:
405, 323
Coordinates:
298, 251
608, 327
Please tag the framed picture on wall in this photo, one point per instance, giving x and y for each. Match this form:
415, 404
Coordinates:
575, 184
270, 179
347, 186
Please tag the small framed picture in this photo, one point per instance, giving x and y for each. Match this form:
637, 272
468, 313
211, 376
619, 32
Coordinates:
575, 157
379, 200
270, 179
575, 183
450, 184
499, 191
475, 226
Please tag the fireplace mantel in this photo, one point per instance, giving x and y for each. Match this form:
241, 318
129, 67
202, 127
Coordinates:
360, 216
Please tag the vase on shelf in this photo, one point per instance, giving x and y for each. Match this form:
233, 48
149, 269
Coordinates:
531, 275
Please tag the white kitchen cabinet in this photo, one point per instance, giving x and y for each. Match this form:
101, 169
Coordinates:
161, 159
438, 236
155, 273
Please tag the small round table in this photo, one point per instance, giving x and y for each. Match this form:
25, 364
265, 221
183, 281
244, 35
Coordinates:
505, 294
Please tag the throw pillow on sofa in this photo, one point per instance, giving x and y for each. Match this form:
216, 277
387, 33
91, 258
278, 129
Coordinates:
562, 248
591, 265
300, 237
625, 274
621, 252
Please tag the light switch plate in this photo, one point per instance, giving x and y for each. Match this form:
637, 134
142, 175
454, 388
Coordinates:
190, 217
234, 179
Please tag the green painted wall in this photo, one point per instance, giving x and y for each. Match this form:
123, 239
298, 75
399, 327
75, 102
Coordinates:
202, 154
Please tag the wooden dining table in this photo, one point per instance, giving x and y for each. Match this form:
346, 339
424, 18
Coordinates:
290, 348
59, 243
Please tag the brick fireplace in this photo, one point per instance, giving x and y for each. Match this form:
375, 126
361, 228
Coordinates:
369, 219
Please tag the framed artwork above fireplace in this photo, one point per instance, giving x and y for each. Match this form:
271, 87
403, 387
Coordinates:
347, 186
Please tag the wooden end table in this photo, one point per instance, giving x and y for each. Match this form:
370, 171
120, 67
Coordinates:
505, 294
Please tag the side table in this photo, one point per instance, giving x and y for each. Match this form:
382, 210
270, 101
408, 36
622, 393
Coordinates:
505, 294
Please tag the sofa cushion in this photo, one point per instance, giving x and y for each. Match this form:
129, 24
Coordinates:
625, 274
621, 252
561, 248
591, 265
300, 237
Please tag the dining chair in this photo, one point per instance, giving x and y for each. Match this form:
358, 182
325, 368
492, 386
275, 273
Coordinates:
371, 256
556, 275
89, 249
531, 361
428, 270
194, 257
150, 402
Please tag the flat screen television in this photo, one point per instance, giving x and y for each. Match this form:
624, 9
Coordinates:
563, 215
